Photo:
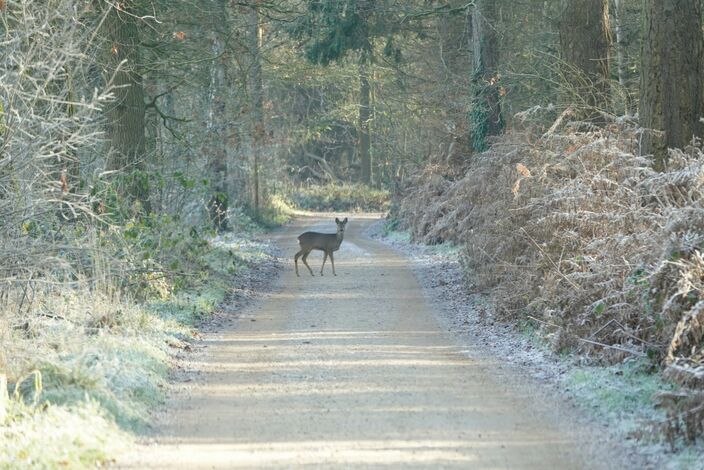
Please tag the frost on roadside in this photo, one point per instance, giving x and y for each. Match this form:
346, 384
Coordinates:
59, 437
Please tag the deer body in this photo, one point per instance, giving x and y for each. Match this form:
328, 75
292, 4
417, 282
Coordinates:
325, 242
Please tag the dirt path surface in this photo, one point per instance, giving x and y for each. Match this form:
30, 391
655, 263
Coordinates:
354, 371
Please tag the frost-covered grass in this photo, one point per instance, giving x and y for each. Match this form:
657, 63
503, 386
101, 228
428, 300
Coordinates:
80, 383
394, 232
125, 375
623, 393
86, 372
68, 437
447, 249
623, 396
398, 236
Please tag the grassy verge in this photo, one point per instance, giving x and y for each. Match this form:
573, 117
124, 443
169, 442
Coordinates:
623, 394
85, 372
60, 437
624, 397
278, 211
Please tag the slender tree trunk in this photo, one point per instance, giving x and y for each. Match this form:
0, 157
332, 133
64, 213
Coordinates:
364, 9
377, 161
584, 41
216, 123
486, 105
73, 168
67, 171
671, 78
237, 164
620, 46
125, 115
365, 157
455, 43
254, 44
6, 169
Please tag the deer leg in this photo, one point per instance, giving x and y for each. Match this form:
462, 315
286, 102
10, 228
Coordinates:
305, 256
325, 256
332, 260
295, 261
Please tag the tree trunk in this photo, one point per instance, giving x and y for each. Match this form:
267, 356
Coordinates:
620, 46
254, 39
584, 41
73, 168
486, 106
216, 122
125, 116
671, 78
455, 42
68, 171
364, 117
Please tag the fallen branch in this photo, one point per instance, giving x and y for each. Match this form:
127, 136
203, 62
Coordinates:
596, 343
608, 346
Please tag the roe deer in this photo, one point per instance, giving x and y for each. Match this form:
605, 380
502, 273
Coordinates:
326, 242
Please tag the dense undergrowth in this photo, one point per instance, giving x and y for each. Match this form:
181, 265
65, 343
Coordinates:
281, 207
341, 197
575, 232
87, 362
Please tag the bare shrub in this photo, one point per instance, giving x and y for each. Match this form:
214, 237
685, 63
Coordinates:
47, 121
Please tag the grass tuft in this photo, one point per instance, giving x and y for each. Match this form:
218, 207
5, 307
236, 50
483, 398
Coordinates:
51, 437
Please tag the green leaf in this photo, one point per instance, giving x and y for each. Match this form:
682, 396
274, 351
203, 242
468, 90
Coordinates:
600, 308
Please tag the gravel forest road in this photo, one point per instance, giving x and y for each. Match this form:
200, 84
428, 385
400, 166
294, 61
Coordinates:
354, 371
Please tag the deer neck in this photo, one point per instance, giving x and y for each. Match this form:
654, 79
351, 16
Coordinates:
338, 237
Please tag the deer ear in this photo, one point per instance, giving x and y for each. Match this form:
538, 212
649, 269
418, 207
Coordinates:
344, 221
337, 220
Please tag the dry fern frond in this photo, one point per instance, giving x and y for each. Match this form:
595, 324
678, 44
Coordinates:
685, 413
605, 236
